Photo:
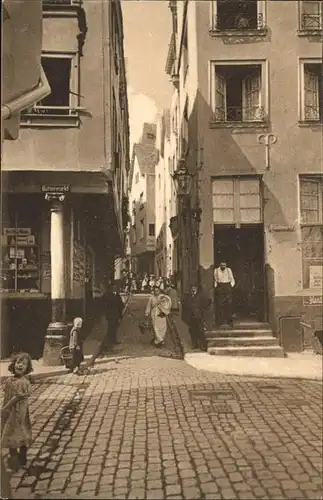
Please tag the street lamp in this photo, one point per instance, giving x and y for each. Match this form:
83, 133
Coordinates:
182, 181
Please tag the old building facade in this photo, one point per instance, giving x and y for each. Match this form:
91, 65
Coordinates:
164, 211
66, 176
142, 202
247, 79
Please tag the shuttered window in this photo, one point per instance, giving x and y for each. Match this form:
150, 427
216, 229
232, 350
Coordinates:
236, 201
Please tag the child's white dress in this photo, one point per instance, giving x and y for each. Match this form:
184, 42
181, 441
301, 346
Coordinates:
16, 425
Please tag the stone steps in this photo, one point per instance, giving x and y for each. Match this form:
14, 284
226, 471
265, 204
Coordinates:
236, 333
234, 341
245, 339
275, 351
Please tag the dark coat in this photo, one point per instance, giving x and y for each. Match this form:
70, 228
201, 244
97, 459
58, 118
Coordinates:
195, 306
112, 305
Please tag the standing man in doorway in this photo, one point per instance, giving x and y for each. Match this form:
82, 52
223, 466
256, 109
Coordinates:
223, 283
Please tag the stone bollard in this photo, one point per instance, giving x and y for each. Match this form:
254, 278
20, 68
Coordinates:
52, 349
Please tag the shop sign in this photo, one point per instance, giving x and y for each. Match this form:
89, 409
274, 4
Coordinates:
13, 231
55, 188
313, 300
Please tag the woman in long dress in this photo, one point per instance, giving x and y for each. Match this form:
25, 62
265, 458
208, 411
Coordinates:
158, 308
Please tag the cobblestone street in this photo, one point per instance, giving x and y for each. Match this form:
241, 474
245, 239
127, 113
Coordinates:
154, 427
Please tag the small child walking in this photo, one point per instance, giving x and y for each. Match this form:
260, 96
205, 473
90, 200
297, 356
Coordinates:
75, 345
16, 426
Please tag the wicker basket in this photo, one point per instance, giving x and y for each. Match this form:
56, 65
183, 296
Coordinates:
67, 357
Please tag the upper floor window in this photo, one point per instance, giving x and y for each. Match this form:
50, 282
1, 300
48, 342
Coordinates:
141, 200
151, 230
230, 15
115, 38
175, 120
142, 229
60, 107
311, 200
137, 178
310, 15
311, 74
184, 131
185, 58
238, 92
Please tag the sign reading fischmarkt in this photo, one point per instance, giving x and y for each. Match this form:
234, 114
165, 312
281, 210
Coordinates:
55, 188
313, 300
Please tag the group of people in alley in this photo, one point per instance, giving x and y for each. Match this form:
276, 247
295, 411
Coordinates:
15, 420
143, 283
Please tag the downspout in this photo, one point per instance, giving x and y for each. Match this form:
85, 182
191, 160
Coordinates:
25, 101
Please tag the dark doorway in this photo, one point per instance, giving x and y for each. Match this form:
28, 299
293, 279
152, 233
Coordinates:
243, 249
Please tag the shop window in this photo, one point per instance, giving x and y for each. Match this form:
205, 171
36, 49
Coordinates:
61, 105
238, 92
236, 201
311, 206
20, 267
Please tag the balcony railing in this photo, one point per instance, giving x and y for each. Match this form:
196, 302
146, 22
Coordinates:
311, 22
242, 22
51, 111
312, 113
240, 114
61, 3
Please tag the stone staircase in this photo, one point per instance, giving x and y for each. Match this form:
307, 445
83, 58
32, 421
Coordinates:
245, 339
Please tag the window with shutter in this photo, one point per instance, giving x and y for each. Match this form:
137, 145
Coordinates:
238, 91
311, 95
236, 201
251, 95
220, 97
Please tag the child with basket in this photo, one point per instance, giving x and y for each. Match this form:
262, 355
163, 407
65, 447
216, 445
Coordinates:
75, 346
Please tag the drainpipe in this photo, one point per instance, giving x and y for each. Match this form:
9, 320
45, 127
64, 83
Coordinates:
25, 101
321, 86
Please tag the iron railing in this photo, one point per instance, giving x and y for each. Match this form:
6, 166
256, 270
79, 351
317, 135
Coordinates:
312, 113
60, 3
240, 114
51, 111
311, 22
236, 22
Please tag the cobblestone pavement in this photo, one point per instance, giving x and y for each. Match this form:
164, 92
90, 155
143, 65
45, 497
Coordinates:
155, 427
135, 344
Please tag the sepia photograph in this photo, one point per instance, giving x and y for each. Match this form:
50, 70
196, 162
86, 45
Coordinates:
161, 257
